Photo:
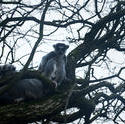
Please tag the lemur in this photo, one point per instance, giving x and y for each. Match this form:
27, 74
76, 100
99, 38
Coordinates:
53, 65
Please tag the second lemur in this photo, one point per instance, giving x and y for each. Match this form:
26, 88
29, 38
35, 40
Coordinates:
53, 65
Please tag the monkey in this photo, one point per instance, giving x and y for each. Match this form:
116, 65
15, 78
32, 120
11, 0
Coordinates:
53, 65
22, 90
7, 69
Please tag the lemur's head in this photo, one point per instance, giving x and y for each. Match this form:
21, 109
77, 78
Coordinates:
60, 48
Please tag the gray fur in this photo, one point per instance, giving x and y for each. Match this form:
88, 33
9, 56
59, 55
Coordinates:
24, 90
53, 64
6, 69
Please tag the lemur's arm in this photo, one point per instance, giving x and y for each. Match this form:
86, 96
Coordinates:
45, 60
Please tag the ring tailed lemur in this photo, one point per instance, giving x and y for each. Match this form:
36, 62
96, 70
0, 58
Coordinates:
53, 64
6, 70
22, 90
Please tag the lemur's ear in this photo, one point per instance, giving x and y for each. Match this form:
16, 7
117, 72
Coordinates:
54, 45
67, 46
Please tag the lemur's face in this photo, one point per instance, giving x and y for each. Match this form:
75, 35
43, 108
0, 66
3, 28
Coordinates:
60, 48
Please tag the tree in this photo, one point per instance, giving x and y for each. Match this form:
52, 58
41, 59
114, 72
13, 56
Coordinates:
95, 87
